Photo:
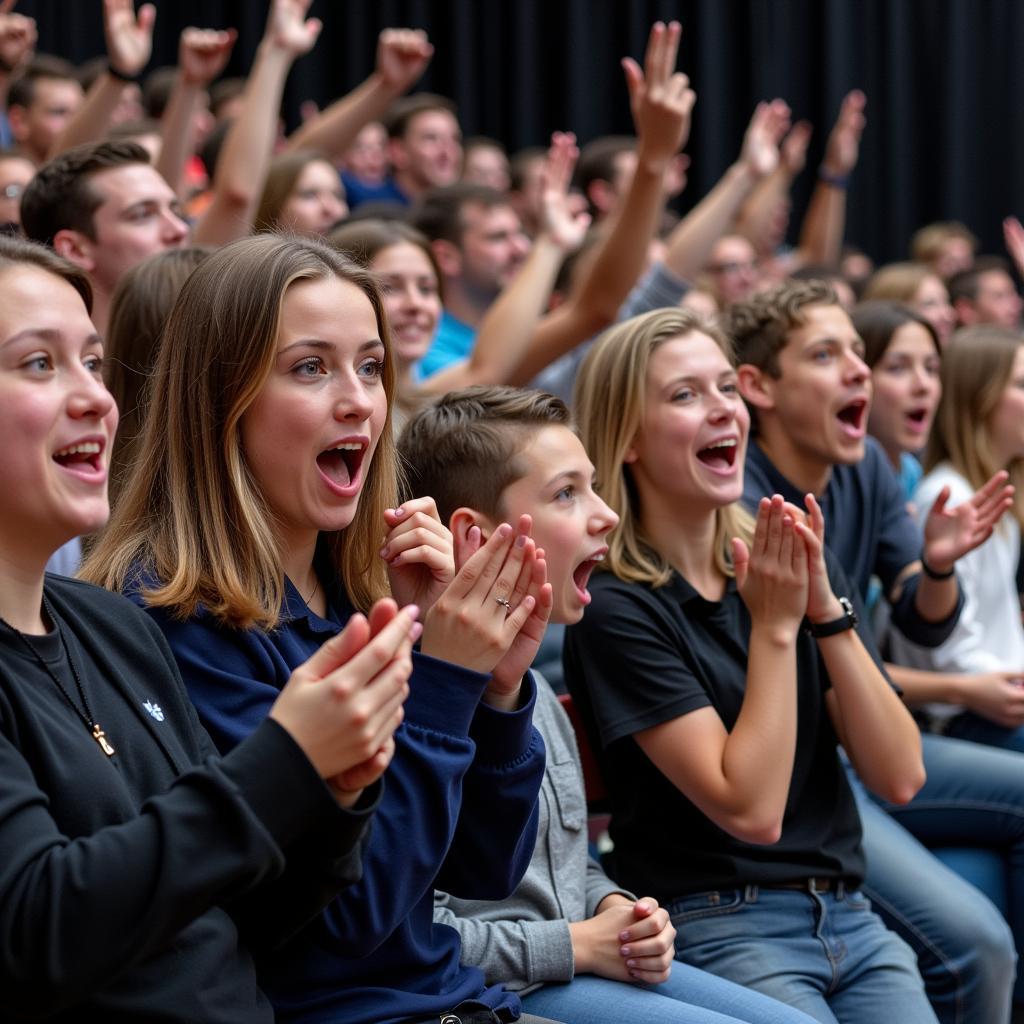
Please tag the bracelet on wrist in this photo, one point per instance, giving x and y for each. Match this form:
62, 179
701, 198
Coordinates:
121, 76
835, 180
934, 574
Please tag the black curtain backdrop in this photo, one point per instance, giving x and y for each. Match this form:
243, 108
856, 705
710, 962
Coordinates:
944, 81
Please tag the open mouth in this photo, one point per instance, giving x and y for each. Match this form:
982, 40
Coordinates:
83, 457
341, 465
720, 456
851, 417
581, 575
917, 419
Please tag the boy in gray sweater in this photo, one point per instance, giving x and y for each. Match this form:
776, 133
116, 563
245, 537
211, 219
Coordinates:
573, 944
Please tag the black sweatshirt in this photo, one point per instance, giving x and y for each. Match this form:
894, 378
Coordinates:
131, 886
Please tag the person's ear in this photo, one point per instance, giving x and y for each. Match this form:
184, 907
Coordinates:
756, 386
462, 520
448, 256
76, 247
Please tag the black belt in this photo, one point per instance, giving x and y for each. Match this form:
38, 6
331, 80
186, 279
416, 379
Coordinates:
836, 885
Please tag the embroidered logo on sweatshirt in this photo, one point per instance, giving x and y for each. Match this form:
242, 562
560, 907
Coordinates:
155, 710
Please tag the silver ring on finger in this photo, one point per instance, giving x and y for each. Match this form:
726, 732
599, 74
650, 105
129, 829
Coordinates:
506, 602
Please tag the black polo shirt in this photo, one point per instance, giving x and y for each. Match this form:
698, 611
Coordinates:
642, 656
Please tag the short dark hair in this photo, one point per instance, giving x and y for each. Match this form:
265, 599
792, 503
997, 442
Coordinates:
964, 284
878, 320
519, 165
19, 252
223, 92
156, 91
22, 91
759, 326
397, 119
464, 449
439, 212
597, 160
61, 197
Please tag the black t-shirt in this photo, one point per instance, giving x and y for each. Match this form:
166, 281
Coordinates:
642, 656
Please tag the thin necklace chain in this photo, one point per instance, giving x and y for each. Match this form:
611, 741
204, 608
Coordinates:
316, 587
86, 716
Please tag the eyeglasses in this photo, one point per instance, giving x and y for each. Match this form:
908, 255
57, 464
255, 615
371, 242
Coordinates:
12, 191
733, 267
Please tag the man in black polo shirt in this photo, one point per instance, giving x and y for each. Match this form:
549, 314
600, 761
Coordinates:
803, 376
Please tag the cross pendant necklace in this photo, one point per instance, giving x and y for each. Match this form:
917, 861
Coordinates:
86, 715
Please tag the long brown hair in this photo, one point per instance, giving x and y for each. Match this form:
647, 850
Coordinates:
191, 514
976, 367
609, 406
141, 304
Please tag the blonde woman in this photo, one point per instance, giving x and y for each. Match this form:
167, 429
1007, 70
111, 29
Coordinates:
918, 287
261, 517
718, 670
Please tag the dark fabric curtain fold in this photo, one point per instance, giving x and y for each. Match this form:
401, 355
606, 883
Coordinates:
944, 80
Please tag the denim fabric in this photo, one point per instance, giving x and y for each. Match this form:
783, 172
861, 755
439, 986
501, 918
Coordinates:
973, 794
969, 726
825, 953
688, 997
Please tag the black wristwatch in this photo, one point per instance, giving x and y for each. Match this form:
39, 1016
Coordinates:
845, 621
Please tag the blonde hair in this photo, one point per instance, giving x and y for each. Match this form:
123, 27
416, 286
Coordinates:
609, 406
976, 367
897, 282
191, 514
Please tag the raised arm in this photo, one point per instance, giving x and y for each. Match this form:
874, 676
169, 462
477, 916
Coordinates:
248, 147
402, 56
202, 56
511, 321
129, 45
821, 236
662, 103
694, 237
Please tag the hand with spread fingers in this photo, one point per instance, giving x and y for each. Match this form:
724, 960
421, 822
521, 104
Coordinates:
418, 551
289, 30
129, 35
950, 533
565, 225
474, 622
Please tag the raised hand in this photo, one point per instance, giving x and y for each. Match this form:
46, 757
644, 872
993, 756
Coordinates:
768, 125
402, 56
843, 146
625, 941
288, 28
344, 703
772, 575
17, 37
203, 53
564, 225
129, 35
474, 622
950, 533
419, 554
793, 150
660, 97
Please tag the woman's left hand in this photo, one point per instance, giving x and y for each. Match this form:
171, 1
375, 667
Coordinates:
419, 553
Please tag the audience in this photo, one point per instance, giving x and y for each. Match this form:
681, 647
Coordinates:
262, 379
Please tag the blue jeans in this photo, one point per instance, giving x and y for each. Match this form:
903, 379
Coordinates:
688, 997
969, 726
974, 795
824, 953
